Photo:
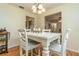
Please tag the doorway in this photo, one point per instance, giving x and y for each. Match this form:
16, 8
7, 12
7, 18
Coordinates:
53, 22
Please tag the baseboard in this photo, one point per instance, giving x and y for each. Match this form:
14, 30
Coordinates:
13, 46
72, 50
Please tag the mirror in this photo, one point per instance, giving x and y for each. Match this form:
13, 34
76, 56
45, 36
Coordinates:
53, 22
29, 22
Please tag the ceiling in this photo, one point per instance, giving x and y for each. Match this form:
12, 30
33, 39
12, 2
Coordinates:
28, 6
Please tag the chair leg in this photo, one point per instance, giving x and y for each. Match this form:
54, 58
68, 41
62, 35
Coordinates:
20, 51
31, 52
36, 51
39, 51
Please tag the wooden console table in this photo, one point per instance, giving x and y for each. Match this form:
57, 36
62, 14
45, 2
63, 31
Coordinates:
4, 36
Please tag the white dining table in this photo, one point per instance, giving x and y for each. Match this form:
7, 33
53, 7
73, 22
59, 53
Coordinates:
45, 38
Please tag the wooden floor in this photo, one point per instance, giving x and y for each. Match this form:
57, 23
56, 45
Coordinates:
15, 52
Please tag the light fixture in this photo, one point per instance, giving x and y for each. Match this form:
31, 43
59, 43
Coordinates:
38, 8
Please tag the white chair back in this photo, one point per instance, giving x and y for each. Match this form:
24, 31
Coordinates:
23, 34
28, 30
64, 43
23, 40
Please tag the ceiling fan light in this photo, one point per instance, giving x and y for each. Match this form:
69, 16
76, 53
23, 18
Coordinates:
33, 7
34, 10
39, 12
40, 6
43, 10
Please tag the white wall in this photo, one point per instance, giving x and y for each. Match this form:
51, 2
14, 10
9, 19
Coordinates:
13, 18
70, 19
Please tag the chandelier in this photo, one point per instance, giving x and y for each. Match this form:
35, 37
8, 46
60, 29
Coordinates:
38, 8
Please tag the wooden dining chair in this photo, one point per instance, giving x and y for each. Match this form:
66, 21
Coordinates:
26, 45
60, 49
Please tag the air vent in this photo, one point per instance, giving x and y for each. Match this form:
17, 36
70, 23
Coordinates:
21, 7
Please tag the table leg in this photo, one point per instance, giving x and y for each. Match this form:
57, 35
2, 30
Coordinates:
59, 40
45, 51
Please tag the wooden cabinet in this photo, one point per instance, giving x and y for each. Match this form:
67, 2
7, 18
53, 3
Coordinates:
4, 36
